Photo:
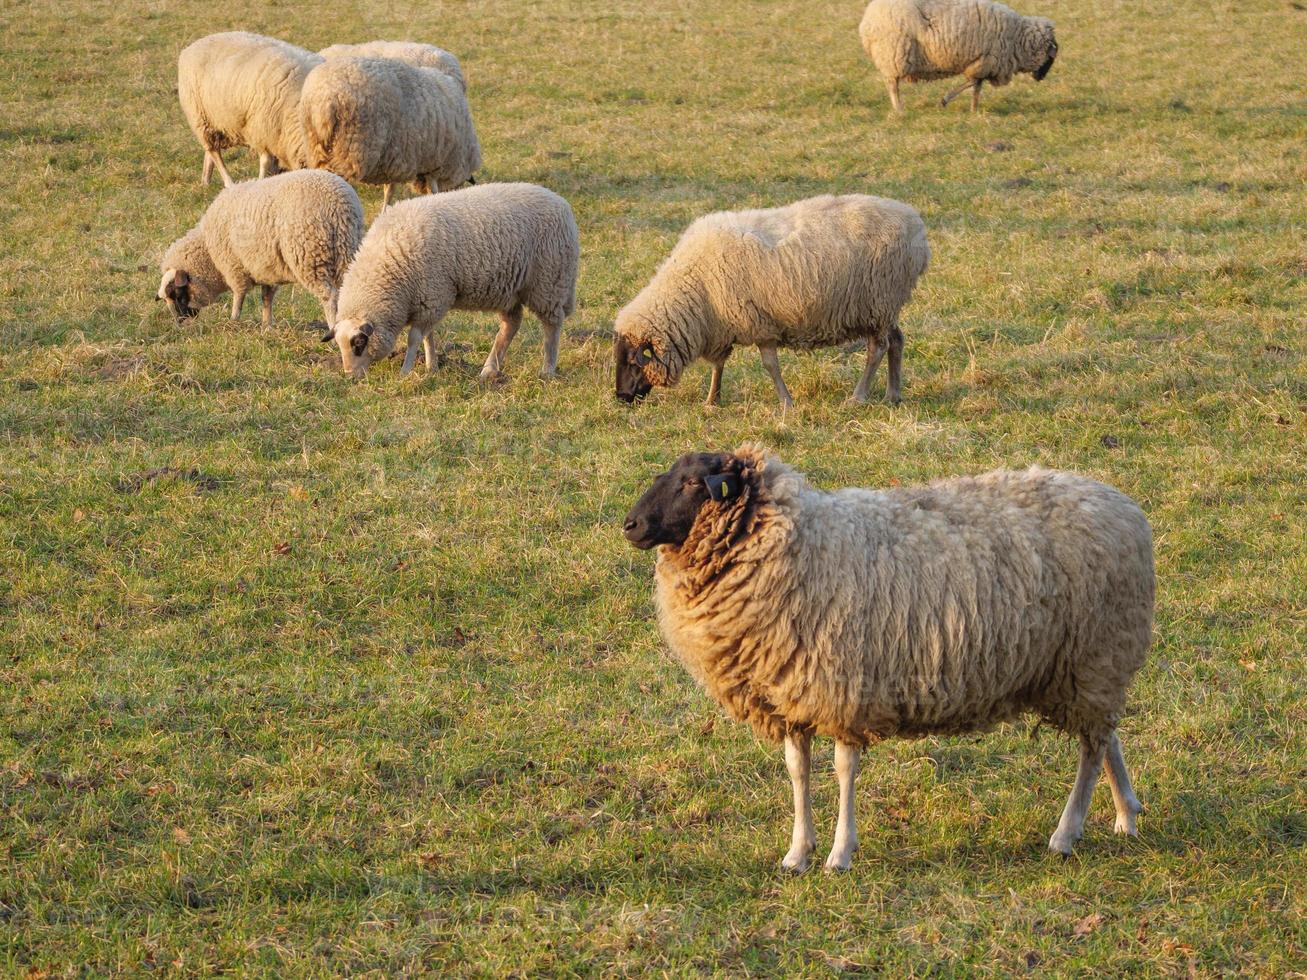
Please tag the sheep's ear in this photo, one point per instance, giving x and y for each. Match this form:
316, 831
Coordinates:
181, 278
644, 355
366, 330
723, 486
329, 335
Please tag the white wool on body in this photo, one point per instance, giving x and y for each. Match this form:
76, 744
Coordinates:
410, 52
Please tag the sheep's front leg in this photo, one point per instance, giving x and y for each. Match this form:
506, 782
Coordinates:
206, 170
875, 351
237, 301
385, 195
268, 293
894, 387
956, 92
411, 355
1127, 804
893, 85
715, 385
509, 323
1072, 824
975, 95
330, 297
215, 158
268, 165
846, 830
798, 760
773, 366
430, 350
551, 330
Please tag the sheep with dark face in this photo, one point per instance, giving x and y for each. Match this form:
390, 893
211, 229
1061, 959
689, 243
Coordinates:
923, 40
301, 227
816, 273
865, 614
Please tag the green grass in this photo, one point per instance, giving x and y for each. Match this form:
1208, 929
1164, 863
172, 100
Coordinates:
390, 698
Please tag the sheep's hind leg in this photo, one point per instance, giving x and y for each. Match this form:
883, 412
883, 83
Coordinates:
509, 323
798, 760
975, 95
773, 366
430, 351
1072, 824
875, 351
893, 85
268, 293
894, 384
846, 829
551, 328
715, 385
237, 301
1127, 804
386, 190
956, 92
206, 170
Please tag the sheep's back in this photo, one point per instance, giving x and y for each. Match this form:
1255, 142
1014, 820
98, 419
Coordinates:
815, 273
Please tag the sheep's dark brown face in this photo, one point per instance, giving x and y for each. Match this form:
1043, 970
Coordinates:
631, 384
176, 292
1044, 69
667, 511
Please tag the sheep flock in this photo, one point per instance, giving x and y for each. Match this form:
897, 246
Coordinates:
858, 615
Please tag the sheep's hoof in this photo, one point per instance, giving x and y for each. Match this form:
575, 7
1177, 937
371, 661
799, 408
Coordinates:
834, 867
894, 400
553, 375
795, 863
856, 400
1061, 844
492, 377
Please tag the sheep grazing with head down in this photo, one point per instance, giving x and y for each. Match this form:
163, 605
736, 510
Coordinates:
500, 247
865, 614
381, 121
300, 227
243, 89
410, 52
923, 40
816, 273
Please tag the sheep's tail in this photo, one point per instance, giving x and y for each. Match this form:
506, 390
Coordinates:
329, 143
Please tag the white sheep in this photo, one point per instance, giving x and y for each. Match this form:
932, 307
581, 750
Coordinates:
816, 273
865, 614
300, 227
242, 89
922, 40
409, 52
379, 121
499, 247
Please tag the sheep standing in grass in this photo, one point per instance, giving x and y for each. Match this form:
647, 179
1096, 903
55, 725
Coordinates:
379, 121
301, 227
409, 52
817, 273
866, 614
922, 40
242, 89
501, 247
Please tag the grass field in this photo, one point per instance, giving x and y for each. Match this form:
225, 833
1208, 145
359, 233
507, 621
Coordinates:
377, 687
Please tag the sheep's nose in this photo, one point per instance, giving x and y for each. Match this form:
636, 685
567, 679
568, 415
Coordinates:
631, 524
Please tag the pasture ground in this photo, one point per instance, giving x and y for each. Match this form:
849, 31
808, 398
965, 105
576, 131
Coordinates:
377, 687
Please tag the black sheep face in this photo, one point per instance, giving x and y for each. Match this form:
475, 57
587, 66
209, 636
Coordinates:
668, 509
632, 383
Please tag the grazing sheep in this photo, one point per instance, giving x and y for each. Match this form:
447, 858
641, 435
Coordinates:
495, 247
381, 122
865, 614
242, 89
820, 272
299, 227
922, 40
409, 52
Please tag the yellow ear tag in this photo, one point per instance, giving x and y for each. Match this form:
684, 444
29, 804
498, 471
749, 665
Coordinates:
648, 352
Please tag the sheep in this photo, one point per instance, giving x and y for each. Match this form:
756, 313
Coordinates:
380, 122
496, 247
409, 52
865, 614
815, 273
922, 40
299, 227
242, 89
